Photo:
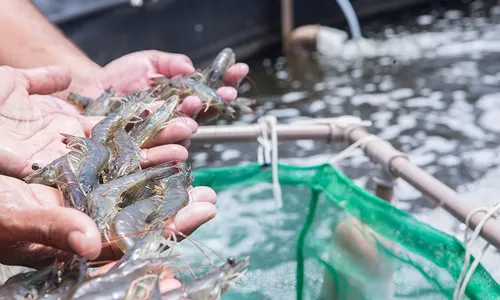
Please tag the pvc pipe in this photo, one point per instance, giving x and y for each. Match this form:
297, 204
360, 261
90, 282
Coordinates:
377, 150
286, 22
434, 190
249, 133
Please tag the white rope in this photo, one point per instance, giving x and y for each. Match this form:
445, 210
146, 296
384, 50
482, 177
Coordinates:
268, 153
467, 272
347, 152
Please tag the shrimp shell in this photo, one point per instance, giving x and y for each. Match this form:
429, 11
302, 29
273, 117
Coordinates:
101, 105
144, 131
212, 285
127, 156
94, 157
119, 118
221, 64
67, 183
102, 203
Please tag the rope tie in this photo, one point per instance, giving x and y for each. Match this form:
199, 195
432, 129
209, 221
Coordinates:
468, 268
349, 151
267, 153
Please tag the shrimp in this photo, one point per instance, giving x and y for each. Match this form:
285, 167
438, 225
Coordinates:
102, 202
68, 184
119, 118
78, 100
215, 74
141, 260
127, 156
175, 196
94, 158
152, 212
143, 287
114, 286
70, 274
100, 106
25, 285
209, 97
47, 174
144, 131
212, 285
131, 219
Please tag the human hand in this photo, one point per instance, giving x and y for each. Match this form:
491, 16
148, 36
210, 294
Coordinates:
133, 72
30, 132
35, 227
31, 124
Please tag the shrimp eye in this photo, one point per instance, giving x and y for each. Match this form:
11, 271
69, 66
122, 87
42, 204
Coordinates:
35, 166
231, 261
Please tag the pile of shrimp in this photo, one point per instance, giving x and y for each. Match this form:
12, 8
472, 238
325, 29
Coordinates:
102, 176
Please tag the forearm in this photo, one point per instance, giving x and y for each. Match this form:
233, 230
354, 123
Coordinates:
31, 41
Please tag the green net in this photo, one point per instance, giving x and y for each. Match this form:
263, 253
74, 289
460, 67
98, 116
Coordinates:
349, 243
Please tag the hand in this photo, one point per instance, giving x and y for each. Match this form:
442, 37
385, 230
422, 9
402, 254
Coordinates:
31, 124
35, 227
132, 73
30, 127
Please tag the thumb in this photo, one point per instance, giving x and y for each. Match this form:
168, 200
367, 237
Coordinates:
60, 227
47, 80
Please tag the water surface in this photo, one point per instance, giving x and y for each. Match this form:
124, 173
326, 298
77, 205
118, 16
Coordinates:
430, 86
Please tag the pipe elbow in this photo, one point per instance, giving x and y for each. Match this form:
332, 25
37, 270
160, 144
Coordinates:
303, 39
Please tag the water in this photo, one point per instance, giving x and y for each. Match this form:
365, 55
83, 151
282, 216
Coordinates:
431, 86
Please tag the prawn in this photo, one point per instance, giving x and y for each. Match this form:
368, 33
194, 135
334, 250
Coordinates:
126, 158
101, 105
47, 174
67, 182
221, 64
94, 157
118, 118
212, 285
152, 212
143, 132
78, 100
102, 202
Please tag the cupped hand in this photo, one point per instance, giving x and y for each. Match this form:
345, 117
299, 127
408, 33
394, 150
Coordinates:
30, 125
34, 226
133, 72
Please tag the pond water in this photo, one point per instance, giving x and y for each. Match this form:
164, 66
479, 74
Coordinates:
431, 87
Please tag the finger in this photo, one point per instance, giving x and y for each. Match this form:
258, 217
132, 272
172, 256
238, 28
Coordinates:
177, 130
60, 227
47, 80
235, 74
168, 284
191, 217
185, 143
190, 105
203, 194
227, 93
161, 154
170, 64
88, 123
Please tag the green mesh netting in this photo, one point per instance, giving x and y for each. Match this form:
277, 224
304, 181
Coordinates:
354, 245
